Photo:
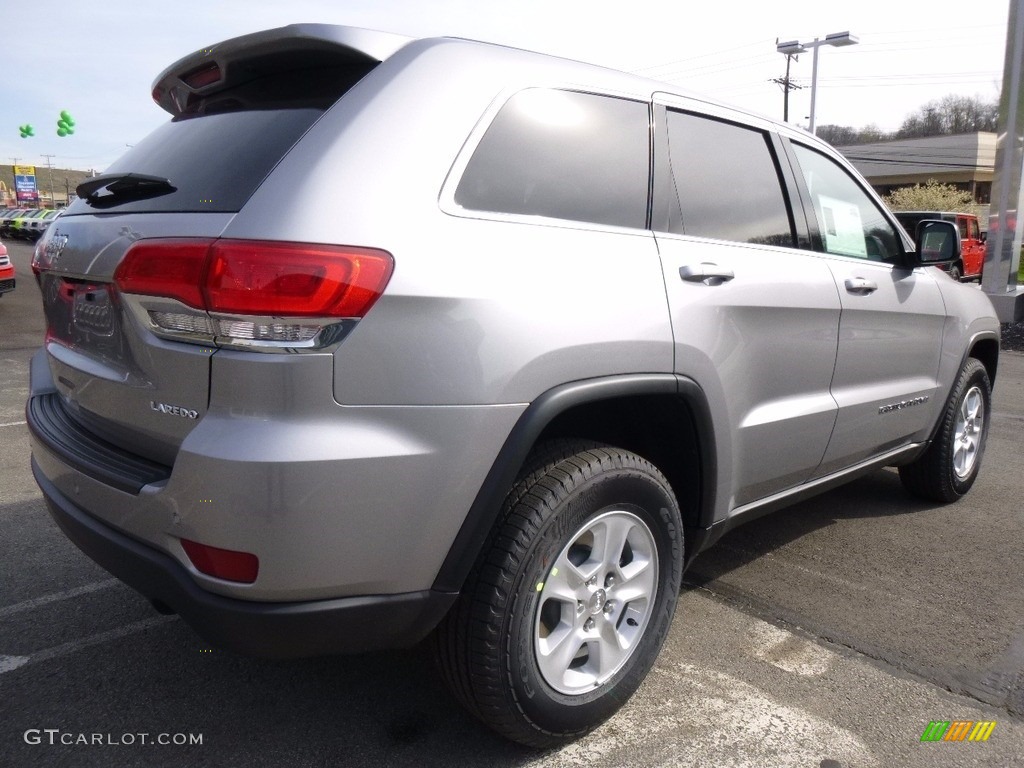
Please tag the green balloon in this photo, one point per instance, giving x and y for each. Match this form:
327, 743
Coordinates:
64, 125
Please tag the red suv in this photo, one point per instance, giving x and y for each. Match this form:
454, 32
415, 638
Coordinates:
6, 271
972, 241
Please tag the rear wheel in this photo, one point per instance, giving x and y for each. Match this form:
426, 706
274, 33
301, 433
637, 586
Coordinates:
949, 467
564, 615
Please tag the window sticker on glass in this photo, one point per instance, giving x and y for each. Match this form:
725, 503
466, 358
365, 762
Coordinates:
844, 231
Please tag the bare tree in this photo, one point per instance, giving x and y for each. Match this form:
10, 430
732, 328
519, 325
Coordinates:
950, 115
947, 116
844, 135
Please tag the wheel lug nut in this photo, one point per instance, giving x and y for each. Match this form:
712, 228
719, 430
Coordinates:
609, 607
580, 608
588, 624
609, 582
592, 581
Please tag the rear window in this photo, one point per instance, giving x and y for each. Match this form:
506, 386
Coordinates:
219, 152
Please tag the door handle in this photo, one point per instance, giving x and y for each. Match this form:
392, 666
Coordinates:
706, 272
861, 285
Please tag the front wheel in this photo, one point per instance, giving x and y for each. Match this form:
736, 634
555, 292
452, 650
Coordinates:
572, 599
948, 469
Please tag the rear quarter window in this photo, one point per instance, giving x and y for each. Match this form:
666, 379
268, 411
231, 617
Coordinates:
563, 155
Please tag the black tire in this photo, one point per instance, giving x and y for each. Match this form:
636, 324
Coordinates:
955, 272
948, 469
487, 647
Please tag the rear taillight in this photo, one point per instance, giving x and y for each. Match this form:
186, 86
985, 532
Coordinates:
285, 279
173, 269
251, 293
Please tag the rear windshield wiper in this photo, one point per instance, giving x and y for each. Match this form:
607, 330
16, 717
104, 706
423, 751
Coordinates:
119, 188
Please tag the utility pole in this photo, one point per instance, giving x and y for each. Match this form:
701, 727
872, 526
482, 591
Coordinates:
49, 168
787, 85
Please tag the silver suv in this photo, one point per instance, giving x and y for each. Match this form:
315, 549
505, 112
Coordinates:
381, 338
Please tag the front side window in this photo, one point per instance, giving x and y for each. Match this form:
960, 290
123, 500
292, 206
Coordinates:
725, 183
563, 155
849, 221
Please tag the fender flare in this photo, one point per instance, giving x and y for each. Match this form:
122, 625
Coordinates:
486, 507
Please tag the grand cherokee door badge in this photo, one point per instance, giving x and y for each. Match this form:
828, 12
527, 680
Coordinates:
903, 404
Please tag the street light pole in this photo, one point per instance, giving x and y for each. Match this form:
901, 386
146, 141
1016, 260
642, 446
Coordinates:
793, 47
814, 84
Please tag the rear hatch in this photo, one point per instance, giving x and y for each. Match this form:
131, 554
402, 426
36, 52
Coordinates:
237, 108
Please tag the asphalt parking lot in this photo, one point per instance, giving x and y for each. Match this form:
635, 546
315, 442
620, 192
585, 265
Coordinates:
827, 635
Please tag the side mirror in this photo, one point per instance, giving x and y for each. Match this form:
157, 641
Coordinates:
938, 242
983, 237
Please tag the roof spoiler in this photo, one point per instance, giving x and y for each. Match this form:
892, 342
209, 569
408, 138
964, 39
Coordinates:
244, 58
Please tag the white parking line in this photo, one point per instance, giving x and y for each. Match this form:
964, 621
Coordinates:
67, 594
14, 424
9, 663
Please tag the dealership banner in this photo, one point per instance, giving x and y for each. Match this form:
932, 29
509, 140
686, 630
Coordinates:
25, 184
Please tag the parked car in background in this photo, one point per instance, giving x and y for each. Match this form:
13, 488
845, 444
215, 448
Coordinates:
6, 271
34, 227
10, 226
21, 226
972, 240
8, 216
571, 327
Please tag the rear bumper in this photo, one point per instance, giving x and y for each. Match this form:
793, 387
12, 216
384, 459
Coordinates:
269, 630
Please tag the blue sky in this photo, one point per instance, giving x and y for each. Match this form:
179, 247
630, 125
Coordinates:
97, 59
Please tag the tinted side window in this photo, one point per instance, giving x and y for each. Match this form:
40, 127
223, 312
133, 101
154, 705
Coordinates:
725, 182
563, 154
972, 229
849, 221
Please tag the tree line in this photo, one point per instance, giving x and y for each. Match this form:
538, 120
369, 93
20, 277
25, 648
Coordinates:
947, 116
